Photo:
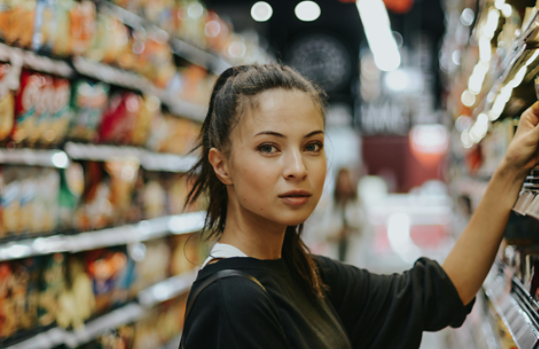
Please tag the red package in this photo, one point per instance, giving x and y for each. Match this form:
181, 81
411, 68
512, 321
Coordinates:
32, 105
120, 118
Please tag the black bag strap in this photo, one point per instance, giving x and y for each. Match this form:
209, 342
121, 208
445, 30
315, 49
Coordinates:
225, 273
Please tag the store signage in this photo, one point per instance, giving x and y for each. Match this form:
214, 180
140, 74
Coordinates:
384, 118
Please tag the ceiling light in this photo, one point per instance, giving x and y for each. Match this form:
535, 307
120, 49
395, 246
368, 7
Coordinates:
467, 98
307, 11
377, 28
261, 11
397, 80
467, 17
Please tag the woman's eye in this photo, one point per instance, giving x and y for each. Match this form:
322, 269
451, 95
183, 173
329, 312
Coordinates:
267, 148
316, 147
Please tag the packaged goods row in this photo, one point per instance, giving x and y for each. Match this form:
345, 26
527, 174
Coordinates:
46, 110
490, 60
135, 38
67, 290
87, 195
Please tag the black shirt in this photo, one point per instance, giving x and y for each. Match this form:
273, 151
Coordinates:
361, 310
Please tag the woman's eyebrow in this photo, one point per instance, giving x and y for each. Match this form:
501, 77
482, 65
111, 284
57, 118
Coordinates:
271, 133
280, 135
314, 133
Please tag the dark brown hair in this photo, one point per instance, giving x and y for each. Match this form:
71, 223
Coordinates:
234, 92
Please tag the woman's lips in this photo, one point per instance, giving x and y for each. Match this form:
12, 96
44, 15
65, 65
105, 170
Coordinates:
295, 197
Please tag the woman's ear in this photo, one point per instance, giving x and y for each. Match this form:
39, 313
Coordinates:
220, 167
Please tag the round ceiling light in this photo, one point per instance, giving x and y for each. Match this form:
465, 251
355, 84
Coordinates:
307, 11
261, 11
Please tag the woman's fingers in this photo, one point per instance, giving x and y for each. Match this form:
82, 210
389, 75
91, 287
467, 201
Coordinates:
529, 119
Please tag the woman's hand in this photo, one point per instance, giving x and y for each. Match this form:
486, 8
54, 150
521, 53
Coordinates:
523, 151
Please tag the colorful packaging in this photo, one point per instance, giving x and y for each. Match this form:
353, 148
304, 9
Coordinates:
10, 200
8, 319
95, 210
71, 190
82, 18
88, 102
105, 266
171, 134
54, 128
177, 189
17, 22
152, 265
26, 102
52, 284
76, 303
120, 118
24, 292
123, 175
154, 197
7, 103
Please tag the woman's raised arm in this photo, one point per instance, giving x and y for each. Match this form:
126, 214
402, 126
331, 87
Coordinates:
471, 259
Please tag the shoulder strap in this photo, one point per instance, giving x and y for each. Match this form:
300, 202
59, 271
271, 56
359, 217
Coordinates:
225, 273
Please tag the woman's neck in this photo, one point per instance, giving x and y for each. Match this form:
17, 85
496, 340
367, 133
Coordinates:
253, 235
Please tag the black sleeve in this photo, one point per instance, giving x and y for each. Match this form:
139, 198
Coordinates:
392, 311
234, 313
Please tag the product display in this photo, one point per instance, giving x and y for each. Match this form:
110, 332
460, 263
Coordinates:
492, 83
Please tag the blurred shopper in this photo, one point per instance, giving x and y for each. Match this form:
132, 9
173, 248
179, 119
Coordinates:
264, 167
344, 216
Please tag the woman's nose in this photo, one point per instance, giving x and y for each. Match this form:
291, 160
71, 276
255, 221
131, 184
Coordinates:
294, 166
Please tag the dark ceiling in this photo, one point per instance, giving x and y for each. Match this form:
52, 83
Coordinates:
338, 19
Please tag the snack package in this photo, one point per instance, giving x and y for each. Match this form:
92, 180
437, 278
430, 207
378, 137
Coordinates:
95, 209
49, 188
54, 128
76, 303
120, 117
123, 175
17, 22
52, 284
10, 200
8, 320
7, 103
152, 263
171, 134
82, 19
149, 110
154, 197
71, 190
33, 104
28, 179
88, 101
105, 266
25, 292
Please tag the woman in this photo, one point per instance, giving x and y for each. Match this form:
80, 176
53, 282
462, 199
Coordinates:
263, 166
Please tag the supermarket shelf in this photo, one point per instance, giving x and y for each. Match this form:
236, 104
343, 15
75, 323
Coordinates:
93, 329
34, 157
48, 339
199, 57
131, 80
145, 230
512, 307
181, 48
167, 289
35, 61
129, 313
149, 160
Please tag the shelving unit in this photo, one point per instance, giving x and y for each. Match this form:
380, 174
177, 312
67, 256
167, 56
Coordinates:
515, 306
85, 241
129, 313
149, 160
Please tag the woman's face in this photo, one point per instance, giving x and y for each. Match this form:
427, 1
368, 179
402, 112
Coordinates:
277, 162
